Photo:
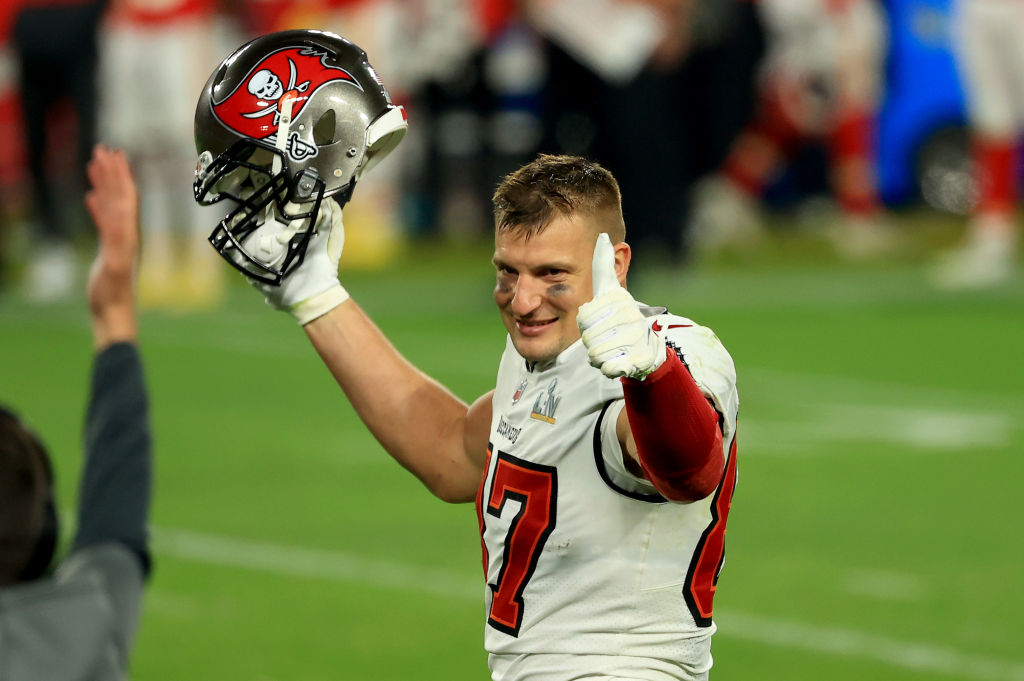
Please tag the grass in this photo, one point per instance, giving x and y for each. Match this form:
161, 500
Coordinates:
874, 532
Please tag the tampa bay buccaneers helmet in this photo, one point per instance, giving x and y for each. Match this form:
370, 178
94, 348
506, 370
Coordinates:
286, 121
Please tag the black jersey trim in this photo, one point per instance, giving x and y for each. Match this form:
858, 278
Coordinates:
603, 470
691, 570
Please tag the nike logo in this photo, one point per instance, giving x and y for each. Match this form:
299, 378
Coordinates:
656, 327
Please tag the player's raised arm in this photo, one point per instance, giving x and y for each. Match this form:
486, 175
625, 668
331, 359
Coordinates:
418, 421
667, 427
289, 157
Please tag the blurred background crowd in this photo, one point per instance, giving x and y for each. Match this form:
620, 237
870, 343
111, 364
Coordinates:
711, 113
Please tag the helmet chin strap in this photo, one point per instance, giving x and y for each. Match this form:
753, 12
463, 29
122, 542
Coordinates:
284, 125
270, 240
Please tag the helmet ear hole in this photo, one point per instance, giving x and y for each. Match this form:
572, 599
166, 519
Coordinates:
323, 130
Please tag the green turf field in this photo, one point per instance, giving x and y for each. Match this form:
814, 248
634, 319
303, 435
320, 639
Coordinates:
874, 532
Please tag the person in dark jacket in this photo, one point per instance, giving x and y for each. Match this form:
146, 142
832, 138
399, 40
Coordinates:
78, 621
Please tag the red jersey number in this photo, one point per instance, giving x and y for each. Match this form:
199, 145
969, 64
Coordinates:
533, 487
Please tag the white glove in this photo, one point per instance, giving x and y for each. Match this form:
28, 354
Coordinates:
619, 340
312, 289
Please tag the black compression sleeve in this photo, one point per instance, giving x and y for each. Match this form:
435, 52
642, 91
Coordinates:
114, 494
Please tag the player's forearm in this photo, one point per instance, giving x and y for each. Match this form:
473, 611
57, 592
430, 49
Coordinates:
678, 439
418, 421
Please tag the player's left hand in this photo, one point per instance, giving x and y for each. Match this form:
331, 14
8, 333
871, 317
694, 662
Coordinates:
618, 337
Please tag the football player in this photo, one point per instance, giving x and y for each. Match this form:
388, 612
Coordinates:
603, 462
821, 79
155, 57
990, 56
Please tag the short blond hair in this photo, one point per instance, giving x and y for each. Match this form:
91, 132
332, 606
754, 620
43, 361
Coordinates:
552, 186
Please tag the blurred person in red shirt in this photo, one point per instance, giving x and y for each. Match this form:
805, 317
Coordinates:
821, 79
990, 55
13, 172
156, 56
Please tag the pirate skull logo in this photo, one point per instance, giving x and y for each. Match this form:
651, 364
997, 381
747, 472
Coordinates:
266, 85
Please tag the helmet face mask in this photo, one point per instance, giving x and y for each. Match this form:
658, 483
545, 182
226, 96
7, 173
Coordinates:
286, 121
290, 204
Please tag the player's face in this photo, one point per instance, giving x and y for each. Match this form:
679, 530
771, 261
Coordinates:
542, 281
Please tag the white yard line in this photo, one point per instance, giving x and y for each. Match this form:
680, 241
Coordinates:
291, 561
886, 585
296, 561
827, 385
912, 428
916, 656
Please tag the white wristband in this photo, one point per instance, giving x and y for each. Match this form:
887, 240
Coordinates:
319, 305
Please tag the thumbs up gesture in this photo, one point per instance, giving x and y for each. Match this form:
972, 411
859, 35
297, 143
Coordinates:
619, 340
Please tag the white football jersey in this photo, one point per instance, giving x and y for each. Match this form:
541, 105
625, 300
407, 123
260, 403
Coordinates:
590, 572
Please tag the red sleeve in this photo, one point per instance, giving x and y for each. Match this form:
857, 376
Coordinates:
678, 438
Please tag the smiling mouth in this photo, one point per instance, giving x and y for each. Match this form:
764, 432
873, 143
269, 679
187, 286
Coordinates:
533, 327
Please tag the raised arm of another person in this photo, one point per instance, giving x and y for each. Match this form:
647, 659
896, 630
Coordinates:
114, 491
113, 203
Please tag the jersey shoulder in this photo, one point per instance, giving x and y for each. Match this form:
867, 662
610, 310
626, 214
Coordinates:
688, 338
702, 352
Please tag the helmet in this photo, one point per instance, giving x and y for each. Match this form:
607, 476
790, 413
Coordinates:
287, 120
